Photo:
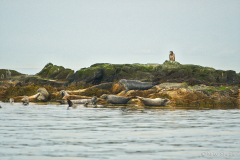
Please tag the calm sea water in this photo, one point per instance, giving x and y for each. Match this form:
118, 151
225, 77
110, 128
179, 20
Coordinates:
52, 132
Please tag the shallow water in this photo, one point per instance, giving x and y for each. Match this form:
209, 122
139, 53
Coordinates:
52, 132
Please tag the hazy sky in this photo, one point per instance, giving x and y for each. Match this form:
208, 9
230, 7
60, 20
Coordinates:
79, 33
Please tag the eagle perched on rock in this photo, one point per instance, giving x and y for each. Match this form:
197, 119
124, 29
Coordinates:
171, 56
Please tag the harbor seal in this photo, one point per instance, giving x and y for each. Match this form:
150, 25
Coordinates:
43, 94
81, 101
63, 93
171, 56
11, 100
71, 104
115, 99
87, 104
136, 85
154, 102
25, 100
8, 74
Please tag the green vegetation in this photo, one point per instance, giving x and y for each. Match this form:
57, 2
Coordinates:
166, 72
95, 92
13, 72
31, 90
55, 72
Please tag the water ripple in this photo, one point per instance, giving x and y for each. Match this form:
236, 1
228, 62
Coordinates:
52, 132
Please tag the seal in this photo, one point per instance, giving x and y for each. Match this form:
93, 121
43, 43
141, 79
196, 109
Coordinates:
136, 85
71, 104
25, 100
8, 74
63, 93
11, 100
43, 94
87, 104
115, 99
154, 102
81, 101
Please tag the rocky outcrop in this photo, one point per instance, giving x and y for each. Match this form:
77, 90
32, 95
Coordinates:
55, 72
183, 85
167, 72
178, 94
13, 73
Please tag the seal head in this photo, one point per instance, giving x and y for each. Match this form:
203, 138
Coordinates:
25, 100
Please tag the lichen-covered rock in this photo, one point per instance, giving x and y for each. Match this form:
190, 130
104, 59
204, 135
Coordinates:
173, 72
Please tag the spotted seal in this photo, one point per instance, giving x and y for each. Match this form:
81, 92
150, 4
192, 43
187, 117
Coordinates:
81, 101
43, 94
115, 99
63, 93
11, 100
154, 102
25, 100
136, 85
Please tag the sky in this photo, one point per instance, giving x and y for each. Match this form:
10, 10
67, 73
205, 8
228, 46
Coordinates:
78, 33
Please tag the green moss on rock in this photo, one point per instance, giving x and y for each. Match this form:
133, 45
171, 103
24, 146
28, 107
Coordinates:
166, 72
13, 72
55, 72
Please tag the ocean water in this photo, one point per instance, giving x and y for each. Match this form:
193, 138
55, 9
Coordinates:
51, 131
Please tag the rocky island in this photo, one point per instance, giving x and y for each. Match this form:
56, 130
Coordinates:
179, 85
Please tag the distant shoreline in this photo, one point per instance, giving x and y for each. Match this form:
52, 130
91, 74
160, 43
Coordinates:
33, 71
29, 71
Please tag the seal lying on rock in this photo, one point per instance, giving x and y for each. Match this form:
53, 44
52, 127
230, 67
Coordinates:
154, 102
136, 85
43, 94
63, 93
81, 101
115, 99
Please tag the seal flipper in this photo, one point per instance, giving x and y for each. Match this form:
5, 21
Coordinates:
70, 104
126, 91
86, 104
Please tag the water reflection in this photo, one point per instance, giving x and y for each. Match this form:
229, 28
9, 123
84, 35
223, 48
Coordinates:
52, 132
